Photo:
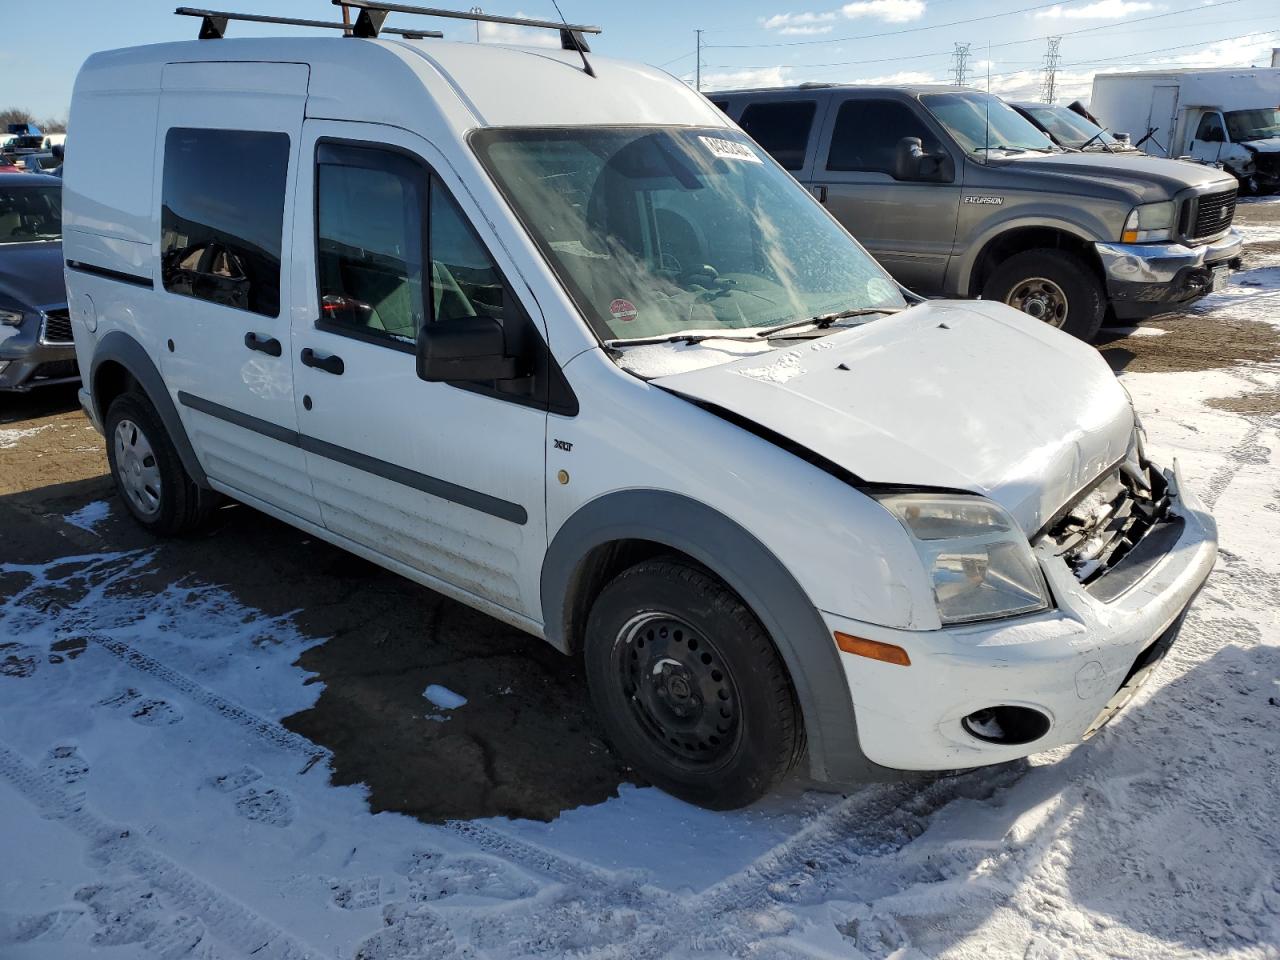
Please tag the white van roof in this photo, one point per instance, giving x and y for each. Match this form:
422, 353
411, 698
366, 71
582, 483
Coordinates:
472, 84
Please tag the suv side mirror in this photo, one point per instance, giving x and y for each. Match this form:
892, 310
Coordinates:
464, 348
910, 162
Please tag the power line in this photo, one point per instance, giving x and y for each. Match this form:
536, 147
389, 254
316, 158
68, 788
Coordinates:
1048, 90
995, 46
960, 65
895, 33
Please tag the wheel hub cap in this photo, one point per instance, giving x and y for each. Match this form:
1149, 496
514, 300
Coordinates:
136, 468
1040, 298
678, 688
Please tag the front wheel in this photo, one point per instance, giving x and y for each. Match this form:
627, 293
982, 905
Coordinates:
1053, 286
689, 686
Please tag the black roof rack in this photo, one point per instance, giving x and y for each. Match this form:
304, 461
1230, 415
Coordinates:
374, 12
213, 25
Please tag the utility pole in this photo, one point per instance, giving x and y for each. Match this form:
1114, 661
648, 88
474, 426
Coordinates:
1049, 89
346, 20
477, 10
960, 65
697, 83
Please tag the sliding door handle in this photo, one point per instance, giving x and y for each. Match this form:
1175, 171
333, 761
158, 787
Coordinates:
268, 345
330, 364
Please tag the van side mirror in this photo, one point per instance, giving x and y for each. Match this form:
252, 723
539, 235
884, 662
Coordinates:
910, 162
464, 348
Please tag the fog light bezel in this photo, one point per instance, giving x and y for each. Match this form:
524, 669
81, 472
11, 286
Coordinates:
1034, 724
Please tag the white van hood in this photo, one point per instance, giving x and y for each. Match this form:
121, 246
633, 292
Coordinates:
1267, 145
971, 396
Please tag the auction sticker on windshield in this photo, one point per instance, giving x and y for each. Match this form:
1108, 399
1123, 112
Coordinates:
622, 310
730, 149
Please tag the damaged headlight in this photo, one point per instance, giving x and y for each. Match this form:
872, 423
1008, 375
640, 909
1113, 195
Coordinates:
1149, 223
980, 563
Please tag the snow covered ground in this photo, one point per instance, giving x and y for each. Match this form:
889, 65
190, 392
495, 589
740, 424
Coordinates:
153, 806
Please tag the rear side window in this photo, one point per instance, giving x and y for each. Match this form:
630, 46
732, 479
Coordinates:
867, 132
782, 128
222, 216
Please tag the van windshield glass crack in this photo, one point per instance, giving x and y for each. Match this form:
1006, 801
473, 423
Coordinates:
662, 232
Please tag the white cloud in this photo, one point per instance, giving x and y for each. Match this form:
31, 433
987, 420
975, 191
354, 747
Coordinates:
785, 20
805, 31
517, 36
898, 79
813, 22
890, 11
741, 79
1099, 10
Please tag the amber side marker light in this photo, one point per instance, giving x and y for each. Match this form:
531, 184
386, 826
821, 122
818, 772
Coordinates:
1129, 236
873, 649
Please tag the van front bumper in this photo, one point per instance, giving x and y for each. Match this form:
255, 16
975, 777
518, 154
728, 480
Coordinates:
1077, 665
1148, 278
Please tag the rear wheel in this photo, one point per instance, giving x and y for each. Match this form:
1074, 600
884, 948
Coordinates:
689, 687
1053, 286
148, 472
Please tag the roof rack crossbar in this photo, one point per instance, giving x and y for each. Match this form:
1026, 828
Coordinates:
379, 6
213, 25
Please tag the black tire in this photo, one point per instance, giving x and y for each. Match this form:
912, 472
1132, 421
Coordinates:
662, 629
132, 428
1068, 287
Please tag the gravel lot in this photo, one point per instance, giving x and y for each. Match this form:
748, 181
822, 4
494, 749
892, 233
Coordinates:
196, 737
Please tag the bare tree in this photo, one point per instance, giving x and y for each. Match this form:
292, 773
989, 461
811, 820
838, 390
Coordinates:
53, 125
15, 115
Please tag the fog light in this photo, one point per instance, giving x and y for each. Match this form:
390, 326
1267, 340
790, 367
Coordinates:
1009, 726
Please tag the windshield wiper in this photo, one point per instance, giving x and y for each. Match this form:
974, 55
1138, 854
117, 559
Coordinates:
821, 321
824, 320
999, 146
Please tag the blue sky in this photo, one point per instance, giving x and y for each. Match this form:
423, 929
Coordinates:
748, 42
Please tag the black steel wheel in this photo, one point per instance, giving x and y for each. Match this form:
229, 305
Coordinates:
689, 687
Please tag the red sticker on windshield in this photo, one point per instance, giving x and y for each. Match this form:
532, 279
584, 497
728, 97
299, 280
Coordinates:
622, 310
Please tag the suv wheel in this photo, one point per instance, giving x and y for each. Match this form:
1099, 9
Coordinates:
1053, 286
148, 472
689, 687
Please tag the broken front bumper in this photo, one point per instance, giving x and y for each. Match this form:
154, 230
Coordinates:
1148, 278
1075, 665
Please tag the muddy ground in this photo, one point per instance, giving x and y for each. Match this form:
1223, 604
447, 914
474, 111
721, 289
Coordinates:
528, 744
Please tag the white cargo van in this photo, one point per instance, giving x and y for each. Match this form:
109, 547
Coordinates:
1227, 116
545, 332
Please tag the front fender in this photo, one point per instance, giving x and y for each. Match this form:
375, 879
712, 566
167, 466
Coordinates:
960, 276
751, 570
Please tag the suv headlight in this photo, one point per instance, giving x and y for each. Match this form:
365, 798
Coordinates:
980, 563
11, 318
1149, 223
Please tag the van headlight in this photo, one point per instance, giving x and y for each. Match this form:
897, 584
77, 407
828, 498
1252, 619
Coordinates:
1149, 223
980, 563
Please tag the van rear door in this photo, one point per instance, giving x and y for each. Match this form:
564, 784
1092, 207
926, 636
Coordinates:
227, 157
909, 227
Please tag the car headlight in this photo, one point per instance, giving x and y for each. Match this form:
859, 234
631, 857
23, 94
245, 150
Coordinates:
980, 563
1149, 223
11, 318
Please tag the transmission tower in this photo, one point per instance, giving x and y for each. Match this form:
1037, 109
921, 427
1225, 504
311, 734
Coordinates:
960, 65
1049, 88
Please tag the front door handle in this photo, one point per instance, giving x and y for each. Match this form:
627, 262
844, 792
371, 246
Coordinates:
330, 364
819, 191
268, 345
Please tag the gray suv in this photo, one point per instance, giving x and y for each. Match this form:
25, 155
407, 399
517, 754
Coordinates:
958, 195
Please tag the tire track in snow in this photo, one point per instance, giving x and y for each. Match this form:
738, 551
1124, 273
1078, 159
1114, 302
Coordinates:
230, 921
860, 836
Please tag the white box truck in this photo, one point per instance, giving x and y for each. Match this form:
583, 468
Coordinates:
1228, 116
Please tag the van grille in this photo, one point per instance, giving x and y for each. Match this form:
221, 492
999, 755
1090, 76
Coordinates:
1103, 526
1208, 215
57, 326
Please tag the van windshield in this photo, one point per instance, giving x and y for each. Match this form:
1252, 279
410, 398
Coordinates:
1253, 124
657, 231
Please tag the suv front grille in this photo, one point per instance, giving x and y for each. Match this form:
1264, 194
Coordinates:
1208, 215
1103, 526
57, 326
